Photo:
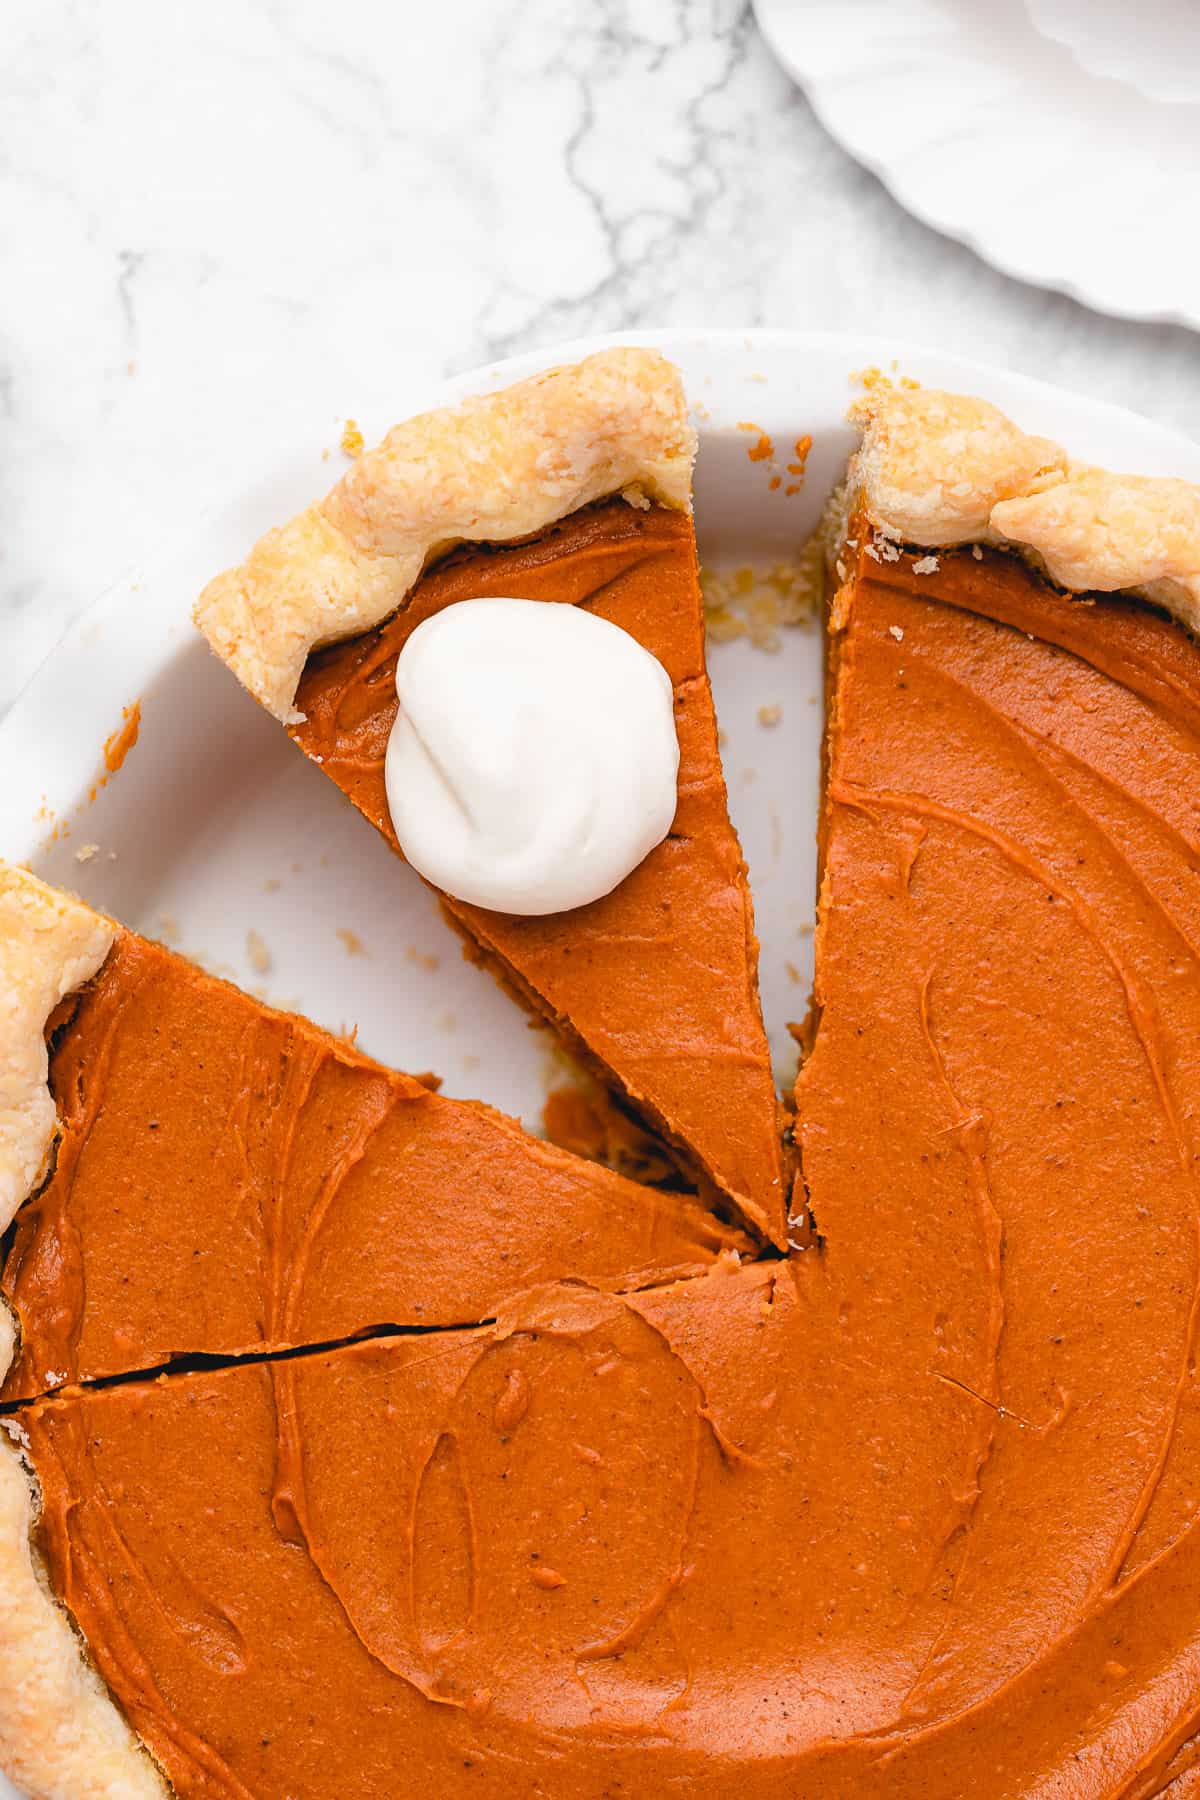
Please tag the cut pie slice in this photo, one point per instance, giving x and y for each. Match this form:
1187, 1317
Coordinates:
573, 487
226, 1178
1007, 1036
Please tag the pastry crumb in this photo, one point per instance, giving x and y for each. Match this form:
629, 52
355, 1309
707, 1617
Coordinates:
448, 1022
422, 958
86, 852
874, 377
803, 446
745, 602
168, 928
271, 886
256, 950
896, 631
884, 549
926, 565
977, 552
762, 449
770, 715
351, 941
352, 438
793, 974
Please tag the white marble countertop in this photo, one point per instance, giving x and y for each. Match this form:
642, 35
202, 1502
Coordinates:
230, 226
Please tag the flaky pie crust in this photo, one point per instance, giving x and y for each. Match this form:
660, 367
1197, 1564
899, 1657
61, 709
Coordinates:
61, 1736
49, 946
936, 469
494, 469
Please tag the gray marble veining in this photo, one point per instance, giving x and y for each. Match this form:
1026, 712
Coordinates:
228, 227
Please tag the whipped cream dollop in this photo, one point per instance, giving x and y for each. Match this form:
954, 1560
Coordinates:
533, 761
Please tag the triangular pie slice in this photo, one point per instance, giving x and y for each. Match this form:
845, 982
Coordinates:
999, 1121
226, 1178
574, 487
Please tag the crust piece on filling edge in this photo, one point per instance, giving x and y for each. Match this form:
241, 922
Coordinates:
936, 469
496, 468
61, 1736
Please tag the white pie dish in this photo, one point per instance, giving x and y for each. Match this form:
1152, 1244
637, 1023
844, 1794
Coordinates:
213, 804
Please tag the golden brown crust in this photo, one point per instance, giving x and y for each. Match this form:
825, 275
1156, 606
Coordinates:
61, 1737
496, 468
938, 469
1108, 532
49, 945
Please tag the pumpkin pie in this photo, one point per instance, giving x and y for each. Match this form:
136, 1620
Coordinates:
574, 487
909, 1512
228, 1179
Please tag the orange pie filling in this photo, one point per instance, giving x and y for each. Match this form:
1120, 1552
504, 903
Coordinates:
909, 1513
232, 1179
654, 987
